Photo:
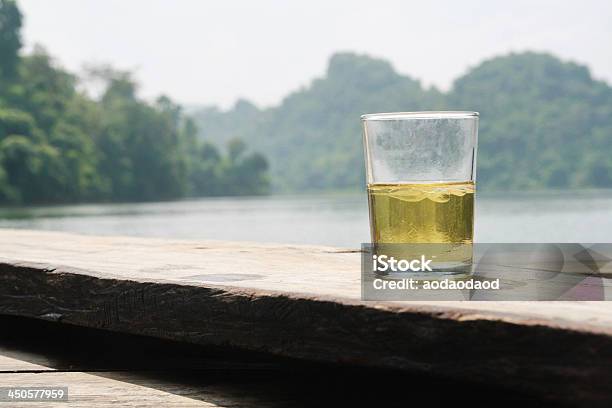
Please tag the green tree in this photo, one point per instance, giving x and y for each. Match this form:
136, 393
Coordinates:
244, 173
205, 171
140, 143
42, 89
14, 121
10, 38
544, 122
34, 171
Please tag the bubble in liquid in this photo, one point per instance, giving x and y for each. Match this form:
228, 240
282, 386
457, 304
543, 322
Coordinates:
439, 197
410, 196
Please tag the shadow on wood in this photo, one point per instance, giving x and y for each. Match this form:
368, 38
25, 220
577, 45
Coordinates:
70, 356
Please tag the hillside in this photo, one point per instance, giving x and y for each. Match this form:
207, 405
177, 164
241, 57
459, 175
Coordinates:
544, 122
60, 145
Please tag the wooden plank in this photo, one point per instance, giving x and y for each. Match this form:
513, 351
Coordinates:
161, 383
301, 301
88, 390
284, 383
10, 365
289, 384
298, 271
324, 387
33, 344
102, 389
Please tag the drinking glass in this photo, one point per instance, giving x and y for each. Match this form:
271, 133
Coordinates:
421, 174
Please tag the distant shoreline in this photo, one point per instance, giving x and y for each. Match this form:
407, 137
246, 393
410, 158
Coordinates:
491, 194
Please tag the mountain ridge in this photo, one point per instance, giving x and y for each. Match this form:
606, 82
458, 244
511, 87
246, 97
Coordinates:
545, 123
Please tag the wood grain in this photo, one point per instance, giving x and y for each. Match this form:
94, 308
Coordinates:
88, 390
10, 364
301, 301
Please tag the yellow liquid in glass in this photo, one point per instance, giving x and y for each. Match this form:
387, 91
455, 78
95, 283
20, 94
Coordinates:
438, 213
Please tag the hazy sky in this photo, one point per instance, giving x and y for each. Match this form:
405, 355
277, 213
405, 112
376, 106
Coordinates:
213, 52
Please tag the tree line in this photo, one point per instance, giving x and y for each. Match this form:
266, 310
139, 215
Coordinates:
545, 123
58, 144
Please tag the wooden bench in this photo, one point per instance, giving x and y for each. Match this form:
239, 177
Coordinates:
302, 302
101, 368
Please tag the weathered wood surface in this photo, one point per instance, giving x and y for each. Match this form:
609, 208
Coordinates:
124, 370
301, 301
130, 370
89, 390
102, 389
14, 365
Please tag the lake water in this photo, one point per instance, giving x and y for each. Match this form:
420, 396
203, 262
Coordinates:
328, 219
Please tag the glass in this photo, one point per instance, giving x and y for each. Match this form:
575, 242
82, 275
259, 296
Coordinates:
421, 174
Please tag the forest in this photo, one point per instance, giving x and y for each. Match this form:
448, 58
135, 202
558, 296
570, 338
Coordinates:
544, 123
58, 144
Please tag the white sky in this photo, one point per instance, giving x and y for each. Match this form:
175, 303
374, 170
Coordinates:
215, 51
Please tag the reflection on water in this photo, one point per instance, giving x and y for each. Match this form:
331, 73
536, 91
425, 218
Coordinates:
328, 219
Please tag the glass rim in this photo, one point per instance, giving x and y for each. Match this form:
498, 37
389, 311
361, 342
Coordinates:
420, 115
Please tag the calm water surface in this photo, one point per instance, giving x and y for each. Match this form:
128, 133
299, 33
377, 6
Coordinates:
329, 219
